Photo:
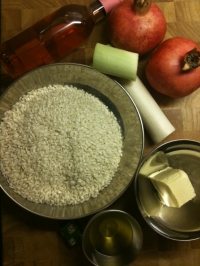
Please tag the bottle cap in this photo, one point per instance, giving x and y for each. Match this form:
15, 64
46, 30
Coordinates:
110, 4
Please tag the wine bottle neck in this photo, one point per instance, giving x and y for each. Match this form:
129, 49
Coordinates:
97, 10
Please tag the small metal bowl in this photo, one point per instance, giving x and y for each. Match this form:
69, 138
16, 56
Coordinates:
183, 223
112, 238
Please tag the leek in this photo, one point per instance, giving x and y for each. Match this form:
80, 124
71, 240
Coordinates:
115, 62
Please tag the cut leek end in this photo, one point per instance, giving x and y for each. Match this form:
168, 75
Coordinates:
115, 62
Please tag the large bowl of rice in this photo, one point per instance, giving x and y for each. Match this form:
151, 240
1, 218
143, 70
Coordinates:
71, 141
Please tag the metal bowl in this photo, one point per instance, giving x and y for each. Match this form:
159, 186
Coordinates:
112, 228
117, 100
174, 223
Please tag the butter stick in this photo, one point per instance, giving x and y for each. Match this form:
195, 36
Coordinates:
173, 186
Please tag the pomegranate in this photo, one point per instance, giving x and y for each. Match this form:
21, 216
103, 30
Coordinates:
174, 67
137, 26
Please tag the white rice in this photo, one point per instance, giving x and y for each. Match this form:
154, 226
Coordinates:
59, 145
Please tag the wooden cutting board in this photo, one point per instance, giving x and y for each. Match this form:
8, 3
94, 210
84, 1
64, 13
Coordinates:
29, 240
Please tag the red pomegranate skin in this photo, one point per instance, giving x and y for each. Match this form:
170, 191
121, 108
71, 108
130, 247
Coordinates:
129, 31
164, 68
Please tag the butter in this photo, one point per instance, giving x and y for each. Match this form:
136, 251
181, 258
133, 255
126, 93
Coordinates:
173, 186
156, 162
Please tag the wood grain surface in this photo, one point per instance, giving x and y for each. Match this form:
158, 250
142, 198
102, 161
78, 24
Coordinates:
29, 240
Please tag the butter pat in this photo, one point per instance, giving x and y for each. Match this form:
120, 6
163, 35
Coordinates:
156, 162
173, 186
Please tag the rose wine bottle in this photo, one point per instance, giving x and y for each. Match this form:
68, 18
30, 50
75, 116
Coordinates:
53, 37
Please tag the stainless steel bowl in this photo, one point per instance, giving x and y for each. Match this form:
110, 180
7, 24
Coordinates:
175, 223
117, 100
112, 227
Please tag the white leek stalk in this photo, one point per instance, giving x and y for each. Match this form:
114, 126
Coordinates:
154, 120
